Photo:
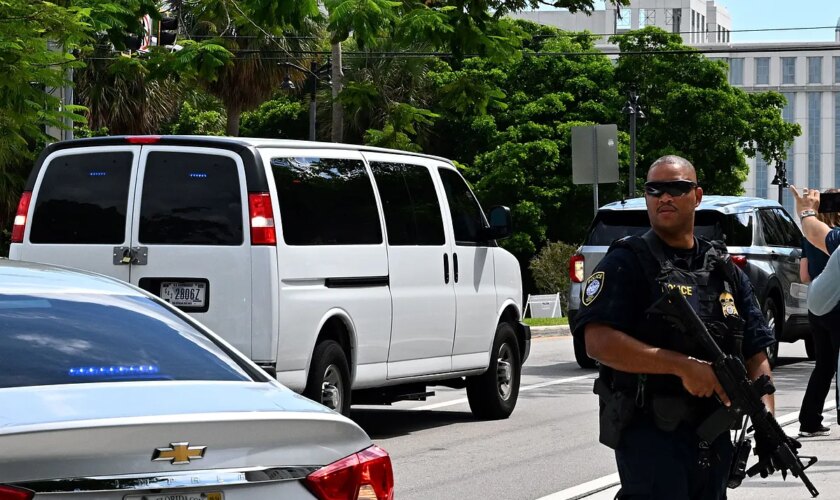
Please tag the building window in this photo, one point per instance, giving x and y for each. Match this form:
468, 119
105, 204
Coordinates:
836, 137
788, 70
622, 19
673, 18
815, 70
789, 116
649, 17
762, 71
760, 176
836, 69
814, 130
736, 71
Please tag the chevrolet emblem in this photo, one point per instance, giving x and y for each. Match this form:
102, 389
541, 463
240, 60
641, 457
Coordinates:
178, 453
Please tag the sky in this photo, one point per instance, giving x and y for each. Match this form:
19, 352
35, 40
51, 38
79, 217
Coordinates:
762, 14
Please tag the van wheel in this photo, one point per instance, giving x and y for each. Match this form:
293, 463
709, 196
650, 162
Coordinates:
329, 377
583, 360
771, 315
493, 394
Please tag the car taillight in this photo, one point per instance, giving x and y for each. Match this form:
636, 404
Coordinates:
576, 268
20, 217
740, 260
262, 219
143, 139
9, 493
366, 475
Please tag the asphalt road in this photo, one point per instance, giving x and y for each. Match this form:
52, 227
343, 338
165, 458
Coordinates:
548, 447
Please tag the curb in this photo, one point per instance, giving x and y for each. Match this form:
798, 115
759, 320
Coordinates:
550, 331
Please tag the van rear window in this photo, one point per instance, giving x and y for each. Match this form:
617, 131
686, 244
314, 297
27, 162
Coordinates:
733, 229
191, 199
326, 201
82, 199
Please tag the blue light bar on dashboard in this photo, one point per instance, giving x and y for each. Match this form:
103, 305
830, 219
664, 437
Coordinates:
97, 174
112, 371
198, 175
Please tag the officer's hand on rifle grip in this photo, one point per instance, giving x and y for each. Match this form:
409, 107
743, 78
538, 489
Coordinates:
700, 380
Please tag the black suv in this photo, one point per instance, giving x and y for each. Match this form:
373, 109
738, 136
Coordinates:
761, 236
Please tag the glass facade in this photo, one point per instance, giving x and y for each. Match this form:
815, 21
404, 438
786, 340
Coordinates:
788, 70
760, 176
814, 130
815, 70
762, 71
736, 71
789, 116
836, 69
836, 138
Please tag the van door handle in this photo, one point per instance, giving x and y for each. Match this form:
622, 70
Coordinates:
455, 265
446, 268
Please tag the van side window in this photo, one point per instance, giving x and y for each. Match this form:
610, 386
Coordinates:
191, 199
326, 201
467, 217
83, 199
410, 203
774, 234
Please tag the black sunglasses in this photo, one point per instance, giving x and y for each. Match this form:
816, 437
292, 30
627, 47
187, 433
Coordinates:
673, 188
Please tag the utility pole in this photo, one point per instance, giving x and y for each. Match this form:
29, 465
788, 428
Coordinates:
634, 110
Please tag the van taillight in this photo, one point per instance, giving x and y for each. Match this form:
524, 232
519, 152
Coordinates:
143, 139
20, 217
576, 268
366, 475
9, 493
262, 219
740, 260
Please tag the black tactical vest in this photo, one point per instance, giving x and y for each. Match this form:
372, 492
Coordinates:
710, 289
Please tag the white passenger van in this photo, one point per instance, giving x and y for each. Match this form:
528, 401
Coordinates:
335, 267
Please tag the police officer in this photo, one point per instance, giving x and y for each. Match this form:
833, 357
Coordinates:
655, 389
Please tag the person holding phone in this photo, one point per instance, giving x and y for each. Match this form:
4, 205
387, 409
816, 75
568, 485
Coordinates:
826, 338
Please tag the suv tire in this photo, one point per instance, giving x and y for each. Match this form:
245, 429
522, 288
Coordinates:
493, 394
583, 360
328, 382
771, 315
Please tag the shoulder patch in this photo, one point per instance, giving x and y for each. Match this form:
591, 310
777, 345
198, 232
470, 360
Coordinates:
593, 287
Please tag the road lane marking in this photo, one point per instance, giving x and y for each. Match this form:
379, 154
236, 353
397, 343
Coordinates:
606, 482
459, 401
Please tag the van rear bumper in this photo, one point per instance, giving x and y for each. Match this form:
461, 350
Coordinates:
523, 331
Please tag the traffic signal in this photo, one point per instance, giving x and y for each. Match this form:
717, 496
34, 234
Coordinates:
167, 30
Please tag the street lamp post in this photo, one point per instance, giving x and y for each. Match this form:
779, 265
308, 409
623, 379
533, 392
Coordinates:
634, 110
780, 179
313, 75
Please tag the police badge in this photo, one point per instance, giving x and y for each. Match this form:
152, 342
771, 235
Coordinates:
592, 287
727, 303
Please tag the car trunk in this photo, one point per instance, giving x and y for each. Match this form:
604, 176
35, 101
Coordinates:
113, 429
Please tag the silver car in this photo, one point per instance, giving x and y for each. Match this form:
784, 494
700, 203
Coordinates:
106, 392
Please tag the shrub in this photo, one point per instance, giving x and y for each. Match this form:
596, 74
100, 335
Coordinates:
550, 269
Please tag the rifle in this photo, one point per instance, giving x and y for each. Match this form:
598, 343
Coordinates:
744, 395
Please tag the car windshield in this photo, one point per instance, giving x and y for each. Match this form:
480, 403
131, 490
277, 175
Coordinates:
733, 229
54, 338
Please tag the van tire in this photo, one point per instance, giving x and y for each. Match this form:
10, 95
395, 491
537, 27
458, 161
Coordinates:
328, 382
493, 394
771, 315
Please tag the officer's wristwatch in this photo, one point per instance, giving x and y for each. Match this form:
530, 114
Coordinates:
807, 213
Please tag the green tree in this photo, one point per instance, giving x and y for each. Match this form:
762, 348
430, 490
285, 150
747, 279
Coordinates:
550, 270
281, 117
694, 112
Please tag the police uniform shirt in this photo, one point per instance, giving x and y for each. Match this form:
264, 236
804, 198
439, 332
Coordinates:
618, 293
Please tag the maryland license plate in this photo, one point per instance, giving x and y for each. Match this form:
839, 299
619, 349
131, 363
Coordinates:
214, 495
184, 293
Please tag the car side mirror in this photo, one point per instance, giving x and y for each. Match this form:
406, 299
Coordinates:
501, 225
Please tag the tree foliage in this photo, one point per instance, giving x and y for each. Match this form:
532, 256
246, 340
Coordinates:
550, 270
